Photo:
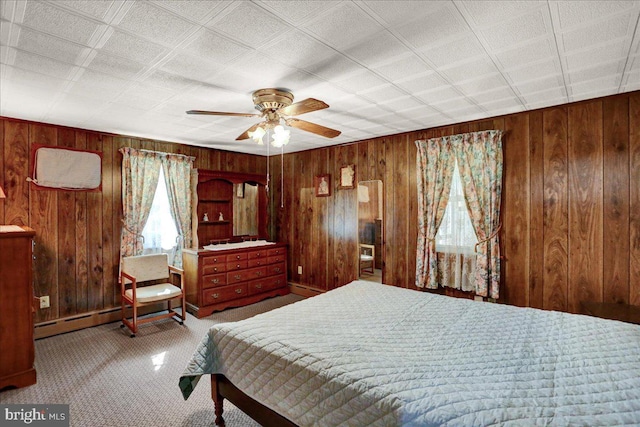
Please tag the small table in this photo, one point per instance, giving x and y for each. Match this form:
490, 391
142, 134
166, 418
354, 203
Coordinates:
609, 310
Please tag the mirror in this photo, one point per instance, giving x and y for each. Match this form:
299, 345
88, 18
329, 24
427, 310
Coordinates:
370, 232
245, 209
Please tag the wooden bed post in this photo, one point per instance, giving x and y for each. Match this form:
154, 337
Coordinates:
218, 401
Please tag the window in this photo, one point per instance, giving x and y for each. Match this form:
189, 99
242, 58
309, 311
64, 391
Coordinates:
455, 241
160, 231
456, 233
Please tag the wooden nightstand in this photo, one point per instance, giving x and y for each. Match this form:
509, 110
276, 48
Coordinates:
623, 312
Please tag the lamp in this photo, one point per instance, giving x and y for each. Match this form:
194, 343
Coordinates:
257, 135
280, 134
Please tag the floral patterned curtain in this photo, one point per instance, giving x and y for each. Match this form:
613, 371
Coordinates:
177, 170
435, 164
140, 171
479, 158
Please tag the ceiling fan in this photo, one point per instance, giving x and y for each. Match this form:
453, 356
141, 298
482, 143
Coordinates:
276, 106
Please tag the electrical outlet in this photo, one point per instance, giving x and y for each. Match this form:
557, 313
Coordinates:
44, 302
299, 269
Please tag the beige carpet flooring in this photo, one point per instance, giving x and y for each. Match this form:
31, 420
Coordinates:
110, 379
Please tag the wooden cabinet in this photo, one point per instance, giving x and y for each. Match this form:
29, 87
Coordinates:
216, 280
228, 205
17, 352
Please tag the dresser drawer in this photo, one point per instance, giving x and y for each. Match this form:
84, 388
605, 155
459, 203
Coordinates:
237, 257
275, 259
237, 265
248, 274
225, 293
257, 262
273, 269
213, 269
211, 260
262, 253
276, 252
212, 280
267, 284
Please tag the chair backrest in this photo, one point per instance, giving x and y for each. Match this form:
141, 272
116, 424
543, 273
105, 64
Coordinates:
146, 267
366, 249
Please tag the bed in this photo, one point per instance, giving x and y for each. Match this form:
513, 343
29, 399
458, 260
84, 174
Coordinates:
368, 354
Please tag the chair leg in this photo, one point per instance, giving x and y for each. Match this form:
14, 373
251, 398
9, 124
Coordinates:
135, 320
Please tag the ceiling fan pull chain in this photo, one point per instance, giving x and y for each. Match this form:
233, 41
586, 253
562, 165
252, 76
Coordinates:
268, 160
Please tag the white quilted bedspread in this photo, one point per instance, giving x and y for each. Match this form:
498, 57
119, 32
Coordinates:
374, 355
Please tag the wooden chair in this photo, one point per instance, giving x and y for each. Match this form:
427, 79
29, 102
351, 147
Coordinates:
367, 258
148, 268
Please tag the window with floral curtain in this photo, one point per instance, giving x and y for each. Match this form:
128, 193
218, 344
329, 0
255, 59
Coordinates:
156, 202
456, 240
468, 164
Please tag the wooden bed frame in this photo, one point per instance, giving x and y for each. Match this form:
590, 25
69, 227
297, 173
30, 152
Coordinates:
222, 388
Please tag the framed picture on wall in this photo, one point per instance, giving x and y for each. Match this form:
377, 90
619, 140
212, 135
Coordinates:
322, 184
347, 176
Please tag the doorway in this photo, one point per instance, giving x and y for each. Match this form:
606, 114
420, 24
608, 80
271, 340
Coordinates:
370, 231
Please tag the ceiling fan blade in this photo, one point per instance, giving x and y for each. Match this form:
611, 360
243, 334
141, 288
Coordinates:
221, 113
313, 128
305, 106
245, 135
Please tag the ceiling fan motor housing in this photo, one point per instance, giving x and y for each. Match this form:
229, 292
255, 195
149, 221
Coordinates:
271, 99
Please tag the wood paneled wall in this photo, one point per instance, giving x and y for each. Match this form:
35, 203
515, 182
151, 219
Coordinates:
570, 208
77, 242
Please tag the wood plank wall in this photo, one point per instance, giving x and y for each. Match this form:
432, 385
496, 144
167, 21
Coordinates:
571, 205
77, 242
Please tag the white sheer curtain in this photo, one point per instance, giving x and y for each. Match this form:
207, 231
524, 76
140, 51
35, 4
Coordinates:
160, 232
455, 241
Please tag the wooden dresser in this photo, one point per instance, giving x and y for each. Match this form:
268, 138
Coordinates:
17, 352
216, 280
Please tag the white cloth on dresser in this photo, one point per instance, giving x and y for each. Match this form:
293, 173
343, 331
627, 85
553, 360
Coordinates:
238, 245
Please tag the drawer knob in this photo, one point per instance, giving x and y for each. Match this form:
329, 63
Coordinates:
237, 277
215, 269
277, 269
237, 256
215, 296
258, 286
258, 254
258, 273
237, 265
215, 280
238, 291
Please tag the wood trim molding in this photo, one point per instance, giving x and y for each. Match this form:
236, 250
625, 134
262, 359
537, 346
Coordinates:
87, 320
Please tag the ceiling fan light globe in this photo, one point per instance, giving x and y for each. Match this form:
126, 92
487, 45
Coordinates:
257, 135
280, 136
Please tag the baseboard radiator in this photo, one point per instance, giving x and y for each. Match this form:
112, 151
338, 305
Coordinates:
109, 315
86, 320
